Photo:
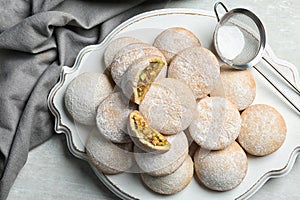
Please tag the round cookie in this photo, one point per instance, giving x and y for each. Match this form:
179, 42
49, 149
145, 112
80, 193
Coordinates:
197, 67
217, 123
108, 157
172, 183
115, 46
238, 86
126, 56
166, 163
221, 170
138, 78
173, 40
170, 100
186, 97
83, 95
112, 117
263, 130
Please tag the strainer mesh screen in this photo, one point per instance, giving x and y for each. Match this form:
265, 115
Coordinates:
251, 35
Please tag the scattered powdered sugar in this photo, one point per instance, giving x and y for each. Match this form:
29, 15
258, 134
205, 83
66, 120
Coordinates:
230, 41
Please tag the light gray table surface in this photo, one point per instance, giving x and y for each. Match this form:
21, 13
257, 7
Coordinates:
51, 172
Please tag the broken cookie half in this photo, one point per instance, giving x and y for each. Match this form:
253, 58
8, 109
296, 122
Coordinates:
145, 137
140, 75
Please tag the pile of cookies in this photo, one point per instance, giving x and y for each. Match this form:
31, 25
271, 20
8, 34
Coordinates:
174, 111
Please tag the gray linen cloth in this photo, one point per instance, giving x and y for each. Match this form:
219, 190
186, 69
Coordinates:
37, 38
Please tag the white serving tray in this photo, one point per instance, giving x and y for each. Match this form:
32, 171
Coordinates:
146, 27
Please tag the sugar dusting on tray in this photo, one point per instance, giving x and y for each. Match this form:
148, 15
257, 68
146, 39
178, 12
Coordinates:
230, 41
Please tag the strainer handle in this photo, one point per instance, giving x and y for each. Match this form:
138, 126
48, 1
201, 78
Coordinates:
216, 9
292, 78
282, 92
289, 87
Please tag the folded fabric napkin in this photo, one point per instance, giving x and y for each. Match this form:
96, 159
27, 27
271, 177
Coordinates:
37, 38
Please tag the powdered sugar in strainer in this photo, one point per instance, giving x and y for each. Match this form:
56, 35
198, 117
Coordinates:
240, 41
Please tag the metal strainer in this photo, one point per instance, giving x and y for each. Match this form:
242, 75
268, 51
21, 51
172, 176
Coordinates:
240, 41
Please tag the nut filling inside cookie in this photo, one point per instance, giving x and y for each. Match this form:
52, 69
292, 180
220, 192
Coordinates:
146, 133
147, 76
